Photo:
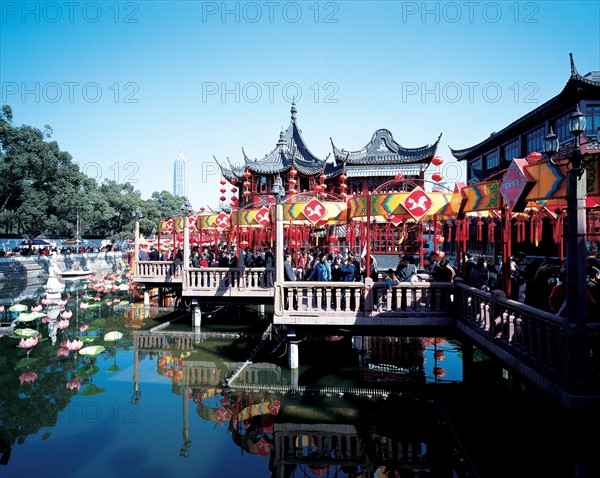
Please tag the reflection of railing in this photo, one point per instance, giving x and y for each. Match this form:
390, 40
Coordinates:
157, 340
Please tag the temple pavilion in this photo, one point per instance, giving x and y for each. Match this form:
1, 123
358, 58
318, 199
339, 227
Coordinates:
350, 173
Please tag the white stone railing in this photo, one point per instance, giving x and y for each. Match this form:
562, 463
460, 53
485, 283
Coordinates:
218, 281
158, 271
360, 299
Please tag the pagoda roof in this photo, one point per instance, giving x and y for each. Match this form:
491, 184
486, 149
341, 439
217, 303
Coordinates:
290, 152
577, 87
383, 149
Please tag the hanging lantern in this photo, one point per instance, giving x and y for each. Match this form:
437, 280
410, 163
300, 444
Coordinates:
439, 239
343, 177
534, 157
292, 191
244, 243
234, 190
293, 172
333, 238
343, 186
202, 209
222, 198
232, 204
437, 160
223, 190
247, 174
318, 188
437, 176
247, 193
399, 177
233, 181
322, 178
247, 184
223, 182
292, 182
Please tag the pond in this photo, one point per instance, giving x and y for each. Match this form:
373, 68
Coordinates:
86, 390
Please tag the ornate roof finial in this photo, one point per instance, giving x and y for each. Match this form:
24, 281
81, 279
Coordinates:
293, 110
281, 141
574, 71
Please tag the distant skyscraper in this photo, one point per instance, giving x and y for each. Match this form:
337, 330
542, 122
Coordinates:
180, 176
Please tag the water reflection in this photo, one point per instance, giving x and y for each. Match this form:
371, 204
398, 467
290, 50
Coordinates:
129, 394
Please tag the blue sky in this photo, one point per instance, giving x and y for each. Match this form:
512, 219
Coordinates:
125, 85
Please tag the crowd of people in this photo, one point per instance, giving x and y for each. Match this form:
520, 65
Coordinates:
49, 250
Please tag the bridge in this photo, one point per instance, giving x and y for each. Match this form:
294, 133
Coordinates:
536, 344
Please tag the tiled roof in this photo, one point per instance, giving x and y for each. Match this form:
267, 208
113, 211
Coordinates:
577, 87
382, 149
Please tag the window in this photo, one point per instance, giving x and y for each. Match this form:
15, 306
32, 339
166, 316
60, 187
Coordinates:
510, 151
592, 116
561, 128
492, 160
535, 140
476, 165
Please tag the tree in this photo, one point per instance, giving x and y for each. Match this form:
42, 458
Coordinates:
38, 179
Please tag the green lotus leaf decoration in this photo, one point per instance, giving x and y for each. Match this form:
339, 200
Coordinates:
94, 306
124, 287
19, 308
92, 350
27, 317
25, 361
26, 332
91, 390
87, 372
113, 368
99, 322
113, 336
86, 339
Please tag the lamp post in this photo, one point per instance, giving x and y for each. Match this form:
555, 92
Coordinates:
186, 210
576, 294
278, 192
137, 215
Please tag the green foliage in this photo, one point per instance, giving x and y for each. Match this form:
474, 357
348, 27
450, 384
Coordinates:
43, 192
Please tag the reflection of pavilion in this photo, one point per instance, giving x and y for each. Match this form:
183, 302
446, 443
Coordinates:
299, 429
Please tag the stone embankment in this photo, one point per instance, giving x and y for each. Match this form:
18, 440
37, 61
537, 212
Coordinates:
21, 273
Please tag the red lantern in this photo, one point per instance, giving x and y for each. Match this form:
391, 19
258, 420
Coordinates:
293, 172
292, 191
292, 182
343, 186
222, 198
322, 177
437, 176
333, 238
318, 188
343, 177
247, 174
233, 181
234, 190
232, 204
247, 193
202, 209
534, 157
247, 184
244, 243
437, 160
441, 254
223, 182
399, 177
223, 190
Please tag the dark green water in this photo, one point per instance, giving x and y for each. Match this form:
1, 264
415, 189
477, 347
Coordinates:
222, 401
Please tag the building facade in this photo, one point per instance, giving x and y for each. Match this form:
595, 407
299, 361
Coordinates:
180, 185
526, 134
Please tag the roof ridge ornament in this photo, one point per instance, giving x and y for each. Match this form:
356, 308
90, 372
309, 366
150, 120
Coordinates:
293, 110
574, 72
